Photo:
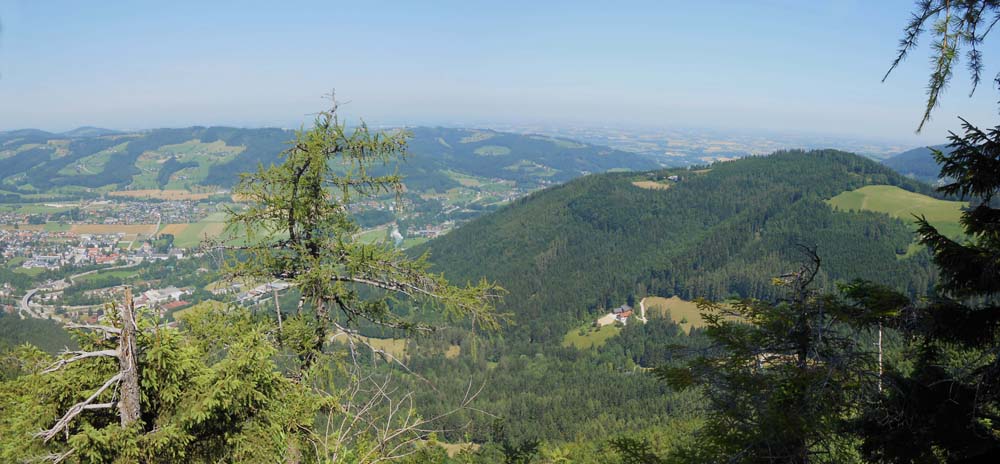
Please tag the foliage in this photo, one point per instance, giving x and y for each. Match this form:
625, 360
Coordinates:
946, 405
299, 230
568, 253
210, 392
954, 24
781, 379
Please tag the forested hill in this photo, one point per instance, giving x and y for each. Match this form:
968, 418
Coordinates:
87, 161
918, 163
567, 252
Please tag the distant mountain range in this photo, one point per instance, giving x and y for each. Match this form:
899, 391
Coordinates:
91, 160
918, 163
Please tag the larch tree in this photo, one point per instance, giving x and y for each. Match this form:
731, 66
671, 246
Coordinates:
299, 230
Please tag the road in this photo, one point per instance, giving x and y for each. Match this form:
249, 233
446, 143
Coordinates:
27, 311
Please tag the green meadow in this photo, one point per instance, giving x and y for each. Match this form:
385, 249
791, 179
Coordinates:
903, 204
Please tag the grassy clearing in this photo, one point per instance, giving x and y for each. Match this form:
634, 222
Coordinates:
117, 273
174, 229
563, 143
57, 227
371, 236
477, 136
211, 305
192, 234
591, 336
492, 150
412, 242
395, 347
684, 313
33, 272
465, 180
650, 185
902, 204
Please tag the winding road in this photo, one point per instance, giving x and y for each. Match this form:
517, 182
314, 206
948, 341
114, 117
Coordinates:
27, 311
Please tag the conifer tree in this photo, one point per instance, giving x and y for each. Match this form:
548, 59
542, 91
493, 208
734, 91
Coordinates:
782, 378
947, 405
299, 229
211, 389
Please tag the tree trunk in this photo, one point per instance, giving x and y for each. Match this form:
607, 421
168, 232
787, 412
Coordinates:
277, 310
880, 357
129, 404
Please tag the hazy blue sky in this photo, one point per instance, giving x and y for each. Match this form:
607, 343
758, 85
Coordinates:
788, 66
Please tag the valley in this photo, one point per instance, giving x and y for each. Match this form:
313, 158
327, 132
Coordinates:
570, 248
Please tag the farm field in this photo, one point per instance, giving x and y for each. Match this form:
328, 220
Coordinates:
902, 204
190, 235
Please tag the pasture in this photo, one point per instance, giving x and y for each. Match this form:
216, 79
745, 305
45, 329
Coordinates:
684, 313
590, 336
650, 185
902, 204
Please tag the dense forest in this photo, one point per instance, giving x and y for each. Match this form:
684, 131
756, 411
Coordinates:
918, 163
569, 253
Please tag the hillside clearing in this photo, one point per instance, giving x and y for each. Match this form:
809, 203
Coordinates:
591, 336
684, 313
651, 185
903, 204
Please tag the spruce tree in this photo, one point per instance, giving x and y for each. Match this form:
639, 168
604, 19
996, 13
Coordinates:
947, 405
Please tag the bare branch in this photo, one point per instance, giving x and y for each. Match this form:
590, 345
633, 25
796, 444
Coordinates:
102, 328
77, 409
79, 355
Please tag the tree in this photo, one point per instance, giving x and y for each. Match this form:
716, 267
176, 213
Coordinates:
944, 403
946, 406
299, 229
216, 388
208, 392
781, 378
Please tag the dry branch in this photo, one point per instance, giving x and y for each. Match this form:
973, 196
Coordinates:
78, 408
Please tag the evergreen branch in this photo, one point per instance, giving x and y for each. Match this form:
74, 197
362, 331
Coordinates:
76, 409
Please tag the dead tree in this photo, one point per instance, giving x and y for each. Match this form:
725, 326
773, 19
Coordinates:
125, 382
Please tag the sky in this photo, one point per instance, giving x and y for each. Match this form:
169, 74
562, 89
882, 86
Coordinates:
779, 66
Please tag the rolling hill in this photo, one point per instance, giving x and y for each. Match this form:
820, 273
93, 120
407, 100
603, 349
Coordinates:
917, 163
568, 252
89, 161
